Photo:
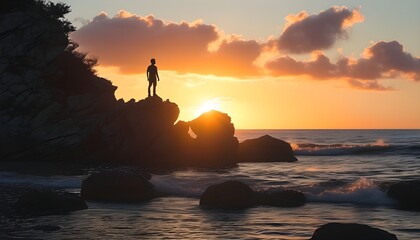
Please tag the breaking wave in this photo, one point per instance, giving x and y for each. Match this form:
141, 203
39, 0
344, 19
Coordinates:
362, 191
379, 147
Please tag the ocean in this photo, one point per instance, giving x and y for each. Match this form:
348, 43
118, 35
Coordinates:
341, 172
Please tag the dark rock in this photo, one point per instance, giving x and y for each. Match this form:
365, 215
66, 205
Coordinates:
265, 149
131, 131
174, 149
407, 194
215, 144
228, 195
117, 186
37, 122
48, 203
350, 231
213, 125
54, 108
283, 198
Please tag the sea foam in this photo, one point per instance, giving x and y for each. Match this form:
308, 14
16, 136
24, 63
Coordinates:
362, 191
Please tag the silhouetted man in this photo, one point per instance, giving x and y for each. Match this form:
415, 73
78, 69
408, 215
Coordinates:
152, 76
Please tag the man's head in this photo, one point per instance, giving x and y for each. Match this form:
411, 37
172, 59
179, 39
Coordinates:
153, 61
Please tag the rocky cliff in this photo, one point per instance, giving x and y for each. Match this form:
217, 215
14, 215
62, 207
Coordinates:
54, 108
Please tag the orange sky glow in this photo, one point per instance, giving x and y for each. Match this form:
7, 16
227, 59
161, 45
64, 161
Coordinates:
299, 78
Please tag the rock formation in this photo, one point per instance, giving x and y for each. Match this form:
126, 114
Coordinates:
215, 144
229, 195
265, 149
54, 108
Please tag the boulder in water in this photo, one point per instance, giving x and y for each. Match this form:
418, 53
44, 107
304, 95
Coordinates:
265, 149
229, 195
350, 231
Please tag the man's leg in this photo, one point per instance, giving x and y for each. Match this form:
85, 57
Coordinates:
154, 88
148, 89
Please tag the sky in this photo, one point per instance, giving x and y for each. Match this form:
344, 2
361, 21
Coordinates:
272, 64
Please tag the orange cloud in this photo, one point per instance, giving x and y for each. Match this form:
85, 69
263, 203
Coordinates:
128, 41
305, 33
381, 60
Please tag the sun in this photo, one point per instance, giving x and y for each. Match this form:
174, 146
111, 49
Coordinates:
207, 106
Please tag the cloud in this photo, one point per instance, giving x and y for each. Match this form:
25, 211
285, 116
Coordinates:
128, 41
319, 67
381, 60
305, 33
368, 85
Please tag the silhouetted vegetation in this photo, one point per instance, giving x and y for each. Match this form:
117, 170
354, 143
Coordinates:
54, 11
81, 59
74, 71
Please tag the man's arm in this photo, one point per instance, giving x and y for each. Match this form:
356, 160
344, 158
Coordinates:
157, 75
147, 73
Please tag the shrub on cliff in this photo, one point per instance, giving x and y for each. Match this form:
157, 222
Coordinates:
54, 11
76, 72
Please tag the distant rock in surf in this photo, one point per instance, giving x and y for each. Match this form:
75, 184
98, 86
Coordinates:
407, 193
49, 203
265, 149
350, 231
229, 195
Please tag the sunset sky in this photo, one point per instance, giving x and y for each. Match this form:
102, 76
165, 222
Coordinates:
272, 64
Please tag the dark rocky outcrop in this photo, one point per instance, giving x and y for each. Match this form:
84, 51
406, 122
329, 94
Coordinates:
238, 195
118, 186
407, 193
175, 148
265, 149
54, 108
48, 203
52, 105
215, 144
350, 231
229, 195
131, 130
283, 198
